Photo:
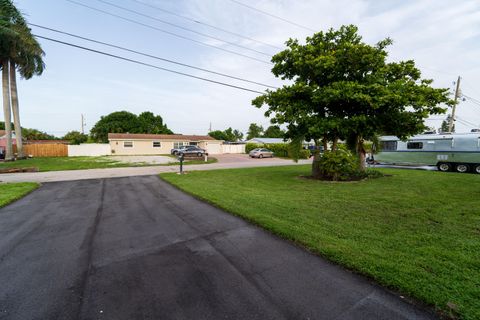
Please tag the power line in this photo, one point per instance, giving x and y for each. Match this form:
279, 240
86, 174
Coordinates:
167, 32
465, 122
206, 24
147, 64
151, 56
183, 28
273, 16
471, 99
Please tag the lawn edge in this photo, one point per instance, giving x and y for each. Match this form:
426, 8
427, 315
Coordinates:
37, 185
430, 308
139, 165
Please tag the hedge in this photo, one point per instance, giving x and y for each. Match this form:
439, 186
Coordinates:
279, 149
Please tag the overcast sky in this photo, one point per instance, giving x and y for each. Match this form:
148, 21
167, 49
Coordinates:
442, 36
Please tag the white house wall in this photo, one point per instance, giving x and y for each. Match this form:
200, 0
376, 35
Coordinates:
89, 150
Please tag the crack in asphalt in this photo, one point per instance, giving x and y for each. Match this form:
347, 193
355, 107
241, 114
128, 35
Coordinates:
87, 246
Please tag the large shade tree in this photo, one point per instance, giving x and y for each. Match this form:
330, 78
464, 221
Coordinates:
19, 51
344, 88
127, 122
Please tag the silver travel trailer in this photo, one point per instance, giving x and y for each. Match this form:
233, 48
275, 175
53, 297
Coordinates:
449, 152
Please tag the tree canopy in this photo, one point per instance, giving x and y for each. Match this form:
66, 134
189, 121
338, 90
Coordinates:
254, 131
75, 137
18, 45
445, 123
32, 134
127, 122
226, 135
273, 132
344, 88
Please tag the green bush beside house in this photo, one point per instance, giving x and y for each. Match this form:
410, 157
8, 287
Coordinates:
279, 149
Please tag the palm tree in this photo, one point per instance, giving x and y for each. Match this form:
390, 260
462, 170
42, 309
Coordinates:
28, 60
6, 37
24, 54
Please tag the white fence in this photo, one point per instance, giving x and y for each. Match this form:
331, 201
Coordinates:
89, 150
233, 148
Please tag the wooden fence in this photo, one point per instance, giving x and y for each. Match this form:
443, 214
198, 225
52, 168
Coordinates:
46, 150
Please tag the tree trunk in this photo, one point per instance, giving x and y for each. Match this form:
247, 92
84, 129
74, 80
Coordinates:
361, 154
15, 110
316, 172
325, 143
7, 111
335, 144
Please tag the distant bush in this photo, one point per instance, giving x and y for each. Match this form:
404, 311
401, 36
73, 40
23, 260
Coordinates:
279, 149
304, 154
250, 146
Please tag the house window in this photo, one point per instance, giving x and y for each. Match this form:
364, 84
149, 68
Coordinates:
193, 143
388, 145
156, 144
177, 145
414, 145
128, 144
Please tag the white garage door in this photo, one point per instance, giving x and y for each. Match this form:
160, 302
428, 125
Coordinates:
214, 148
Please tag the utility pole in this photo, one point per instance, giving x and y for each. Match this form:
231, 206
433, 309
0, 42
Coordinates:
210, 128
83, 124
457, 95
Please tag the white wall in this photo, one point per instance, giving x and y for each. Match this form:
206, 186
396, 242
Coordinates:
89, 150
233, 148
212, 147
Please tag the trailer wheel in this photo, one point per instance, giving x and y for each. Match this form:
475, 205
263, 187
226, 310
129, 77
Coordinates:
462, 168
477, 168
444, 167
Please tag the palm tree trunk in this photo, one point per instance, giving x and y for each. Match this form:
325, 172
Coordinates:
7, 111
15, 110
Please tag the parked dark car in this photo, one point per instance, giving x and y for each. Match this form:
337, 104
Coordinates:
175, 151
191, 150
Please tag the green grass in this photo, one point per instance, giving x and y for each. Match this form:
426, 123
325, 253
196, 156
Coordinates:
417, 232
78, 163
10, 192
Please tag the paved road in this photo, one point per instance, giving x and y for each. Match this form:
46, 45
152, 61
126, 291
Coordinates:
137, 248
226, 161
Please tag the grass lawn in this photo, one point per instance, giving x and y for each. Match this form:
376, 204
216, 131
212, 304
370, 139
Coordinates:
10, 192
77, 163
417, 232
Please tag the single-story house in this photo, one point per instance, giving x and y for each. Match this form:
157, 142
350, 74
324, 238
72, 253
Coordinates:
267, 140
149, 144
275, 141
3, 140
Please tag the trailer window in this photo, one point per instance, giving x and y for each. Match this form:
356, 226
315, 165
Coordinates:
414, 145
388, 145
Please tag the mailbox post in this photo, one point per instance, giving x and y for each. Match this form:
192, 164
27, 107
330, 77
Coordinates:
180, 158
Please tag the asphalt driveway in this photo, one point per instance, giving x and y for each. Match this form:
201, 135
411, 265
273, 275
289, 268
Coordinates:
137, 248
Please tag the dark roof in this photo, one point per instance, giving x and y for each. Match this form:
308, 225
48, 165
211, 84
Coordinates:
141, 136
